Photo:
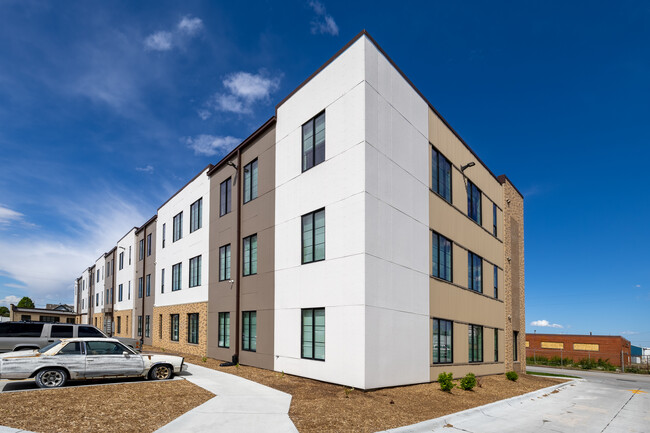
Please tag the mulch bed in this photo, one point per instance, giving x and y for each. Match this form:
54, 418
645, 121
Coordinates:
324, 407
141, 407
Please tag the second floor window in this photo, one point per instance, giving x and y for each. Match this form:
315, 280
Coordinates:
141, 250
496, 281
120, 292
149, 244
494, 219
474, 272
176, 277
195, 271
250, 255
224, 263
441, 175
441, 257
475, 343
178, 227
225, 199
313, 236
250, 181
196, 217
313, 142
121, 261
162, 280
473, 202
148, 285
140, 284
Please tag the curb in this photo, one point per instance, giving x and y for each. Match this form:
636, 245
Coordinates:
429, 425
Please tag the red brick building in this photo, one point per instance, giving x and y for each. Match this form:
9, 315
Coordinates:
577, 347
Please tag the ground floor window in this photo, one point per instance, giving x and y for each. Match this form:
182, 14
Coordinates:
174, 327
119, 325
139, 326
442, 341
224, 329
515, 337
249, 335
161, 326
496, 345
147, 326
193, 328
313, 333
475, 343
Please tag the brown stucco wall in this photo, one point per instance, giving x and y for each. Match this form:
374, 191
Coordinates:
181, 345
147, 266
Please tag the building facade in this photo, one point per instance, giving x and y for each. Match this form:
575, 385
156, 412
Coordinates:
354, 238
612, 348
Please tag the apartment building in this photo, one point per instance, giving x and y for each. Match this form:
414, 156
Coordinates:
144, 278
354, 238
124, 283
97, 295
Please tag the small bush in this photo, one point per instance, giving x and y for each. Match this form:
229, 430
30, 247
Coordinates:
204, 359
445, 380
468, 382
512, 375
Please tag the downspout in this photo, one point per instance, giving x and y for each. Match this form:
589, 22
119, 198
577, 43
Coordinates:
113, 293
144, 282
235, 358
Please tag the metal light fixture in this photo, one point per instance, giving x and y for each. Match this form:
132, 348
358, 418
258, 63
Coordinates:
468, 165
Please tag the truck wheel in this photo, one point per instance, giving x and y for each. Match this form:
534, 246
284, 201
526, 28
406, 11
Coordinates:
160, 372
51, 378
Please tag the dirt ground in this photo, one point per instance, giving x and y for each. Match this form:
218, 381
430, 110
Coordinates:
141, 406
323, 407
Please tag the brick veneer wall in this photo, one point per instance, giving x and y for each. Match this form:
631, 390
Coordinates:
99, 317
181, 345
609, 347
127, 317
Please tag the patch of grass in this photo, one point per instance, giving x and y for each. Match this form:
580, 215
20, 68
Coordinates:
534, 373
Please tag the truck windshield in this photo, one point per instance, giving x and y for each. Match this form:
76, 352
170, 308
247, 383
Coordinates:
48, 347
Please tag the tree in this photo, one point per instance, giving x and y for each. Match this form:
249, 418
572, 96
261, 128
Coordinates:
4, 312
25, 303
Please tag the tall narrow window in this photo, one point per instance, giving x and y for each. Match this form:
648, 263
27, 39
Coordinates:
496, 345
473, 202
147, 326
474, 272
249, 334
148, 285
441, 175
129, 255
140, 286
97, 275
515, 345
494, 219
120, 290
224, 329
441, 257
176, 277
160, 328
107, 293
195, 271
139, 326
193, 328
128, 291
475, 343
250, 255
224, 263
164, 227
162, 280
141, 250
119, 324
313, 334
225, 198
250, 181
196, 215
313, 142
174, 327
313, 236
442, 341
178, 227
149, 244
496, 282
121, 261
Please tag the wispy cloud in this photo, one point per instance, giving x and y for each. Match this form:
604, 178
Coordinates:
629, 333
147, 169
11, 299
638, 286
164, 40
190, 26
323, 22
204, 114
159, 41
8, 216
243, 90
211, 145
545, 324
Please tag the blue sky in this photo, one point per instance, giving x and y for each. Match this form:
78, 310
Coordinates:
107, 108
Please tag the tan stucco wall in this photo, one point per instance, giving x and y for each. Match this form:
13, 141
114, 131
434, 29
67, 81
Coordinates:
181, 345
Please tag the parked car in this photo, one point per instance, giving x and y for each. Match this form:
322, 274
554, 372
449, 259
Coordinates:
15, 336
86, 358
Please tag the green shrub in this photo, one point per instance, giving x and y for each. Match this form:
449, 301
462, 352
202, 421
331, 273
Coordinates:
512, 375
468, 382
445, 380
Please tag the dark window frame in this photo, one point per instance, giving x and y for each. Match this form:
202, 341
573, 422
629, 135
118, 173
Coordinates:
252, 168
225, 197
246, 342
313, 334
437, 272
472, 336
171, 326
178, 227
496, 345
148, 244
141, 250
225, 262
196, 216
195, 271
496, 282
164, 226
147, 326
140, 326
120, 292
515, 346
246, 273
471, 269
193, 328
140, 286
437, 171
147, 285
224, 330
451, 327
312, 215
304, 165
494, 219
177, 277
474, 193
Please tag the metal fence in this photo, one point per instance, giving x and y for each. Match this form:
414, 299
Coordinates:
586, 359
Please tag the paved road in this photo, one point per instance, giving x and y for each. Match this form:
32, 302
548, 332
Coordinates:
598, 403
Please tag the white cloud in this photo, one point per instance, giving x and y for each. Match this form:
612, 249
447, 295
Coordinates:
323, 22
190, 26
629, 333
545, 324
204, 114
244, 90
147, 169
11, 299
638, 286
159, 41
7, 216
211, 145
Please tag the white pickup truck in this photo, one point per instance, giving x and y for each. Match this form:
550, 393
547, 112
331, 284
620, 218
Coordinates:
86, 358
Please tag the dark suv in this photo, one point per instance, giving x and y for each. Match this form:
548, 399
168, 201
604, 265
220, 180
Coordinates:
16, 336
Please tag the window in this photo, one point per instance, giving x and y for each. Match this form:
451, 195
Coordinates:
129, 255
96, 299
146, 326
551, 345
313, 236
50, 319
28, 318
162, 281
473, 202
225, 198
496, 345
195, 271
141, 249
178, 227
250, 181
174, 327
196, 215
585, 346
140, 286
105, 348
494, 219
121, 261
441, 175
61, 331
475, 343
441, 257
97, 273
107, 296
90, 332
120, 290
149, 244
224, 263
313, 142
250, 255
22, 330
443, 338
249, 335
71, 349
139, 326
313, 334
515, 345
128, 293
193, 328
224, 329
163, 234
474, 272
496, 282
176, 277
148, 285
160, 321
119, 324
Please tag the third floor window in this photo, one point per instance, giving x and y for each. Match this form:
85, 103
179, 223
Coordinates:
441, 175
250, 181
473, 202
441, 257
225, 199
178, 227
196, 215
313, 142
313, 236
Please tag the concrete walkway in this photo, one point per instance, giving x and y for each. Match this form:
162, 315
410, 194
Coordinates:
240, 406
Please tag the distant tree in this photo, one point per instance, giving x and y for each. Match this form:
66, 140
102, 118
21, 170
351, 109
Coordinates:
4, 312
25, 303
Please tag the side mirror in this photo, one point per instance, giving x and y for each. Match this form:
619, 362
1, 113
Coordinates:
126, 354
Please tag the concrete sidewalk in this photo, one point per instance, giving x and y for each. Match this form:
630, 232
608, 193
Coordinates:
240, 406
